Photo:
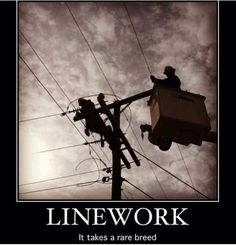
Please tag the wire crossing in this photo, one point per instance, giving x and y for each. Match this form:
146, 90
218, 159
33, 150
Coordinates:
44, 65
90, 48
92, 52
145, 60
141, 49
172, 174
56, 102
70, 102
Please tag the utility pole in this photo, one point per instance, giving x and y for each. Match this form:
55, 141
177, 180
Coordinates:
116, 137
116, 163
120, 138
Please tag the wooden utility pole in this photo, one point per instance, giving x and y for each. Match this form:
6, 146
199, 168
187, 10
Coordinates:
116, 137
116, 163
119, 137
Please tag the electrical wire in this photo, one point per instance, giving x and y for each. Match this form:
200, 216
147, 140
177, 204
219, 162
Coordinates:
99, 174
93, 95
59, 148
99, 159
123, 192
186, 169
157, 179
55, 81
61, 177
141, 49
85, 39
145, 60
138, 189
78, 184
37, 118
176, 177
57, 84
92, 52
56, 102
62, 186
44, 65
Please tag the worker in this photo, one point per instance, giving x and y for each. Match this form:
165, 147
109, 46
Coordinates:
172, 80
93, 122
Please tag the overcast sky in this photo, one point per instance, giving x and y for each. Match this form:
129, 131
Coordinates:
181, 34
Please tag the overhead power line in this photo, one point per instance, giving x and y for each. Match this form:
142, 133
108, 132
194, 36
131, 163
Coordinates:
66, 147
62, 186
145, 60
186, 169
61, 177
50, 73
138, 189
92, 52
157, 179
38, 118
56, 103
45, 66
90, 48
140, 46
176, 177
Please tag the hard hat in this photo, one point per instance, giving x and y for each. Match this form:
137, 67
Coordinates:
81, 101
169, 69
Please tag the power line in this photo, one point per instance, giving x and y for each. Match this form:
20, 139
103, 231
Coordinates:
123, 192
186, 169
44, 65
42, 62
66, 147
92, 52
61, 177
158, 181
141, 49
145, 60
56, 102
172, 174
138, 189
38, 118
90, 49
63, 186
108, 80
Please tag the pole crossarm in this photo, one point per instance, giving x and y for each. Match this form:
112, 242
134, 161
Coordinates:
128, 100
116, 127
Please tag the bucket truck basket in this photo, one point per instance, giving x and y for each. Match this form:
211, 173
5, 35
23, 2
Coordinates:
178, 116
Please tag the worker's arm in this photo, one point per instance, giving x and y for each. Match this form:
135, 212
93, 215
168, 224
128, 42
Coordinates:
156, 80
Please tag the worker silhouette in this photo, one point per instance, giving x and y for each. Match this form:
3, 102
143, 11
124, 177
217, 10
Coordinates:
172, 80
93, 122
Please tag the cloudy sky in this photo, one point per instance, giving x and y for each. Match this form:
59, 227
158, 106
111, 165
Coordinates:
79, 53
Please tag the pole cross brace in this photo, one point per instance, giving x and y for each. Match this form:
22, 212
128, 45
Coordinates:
117, 128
